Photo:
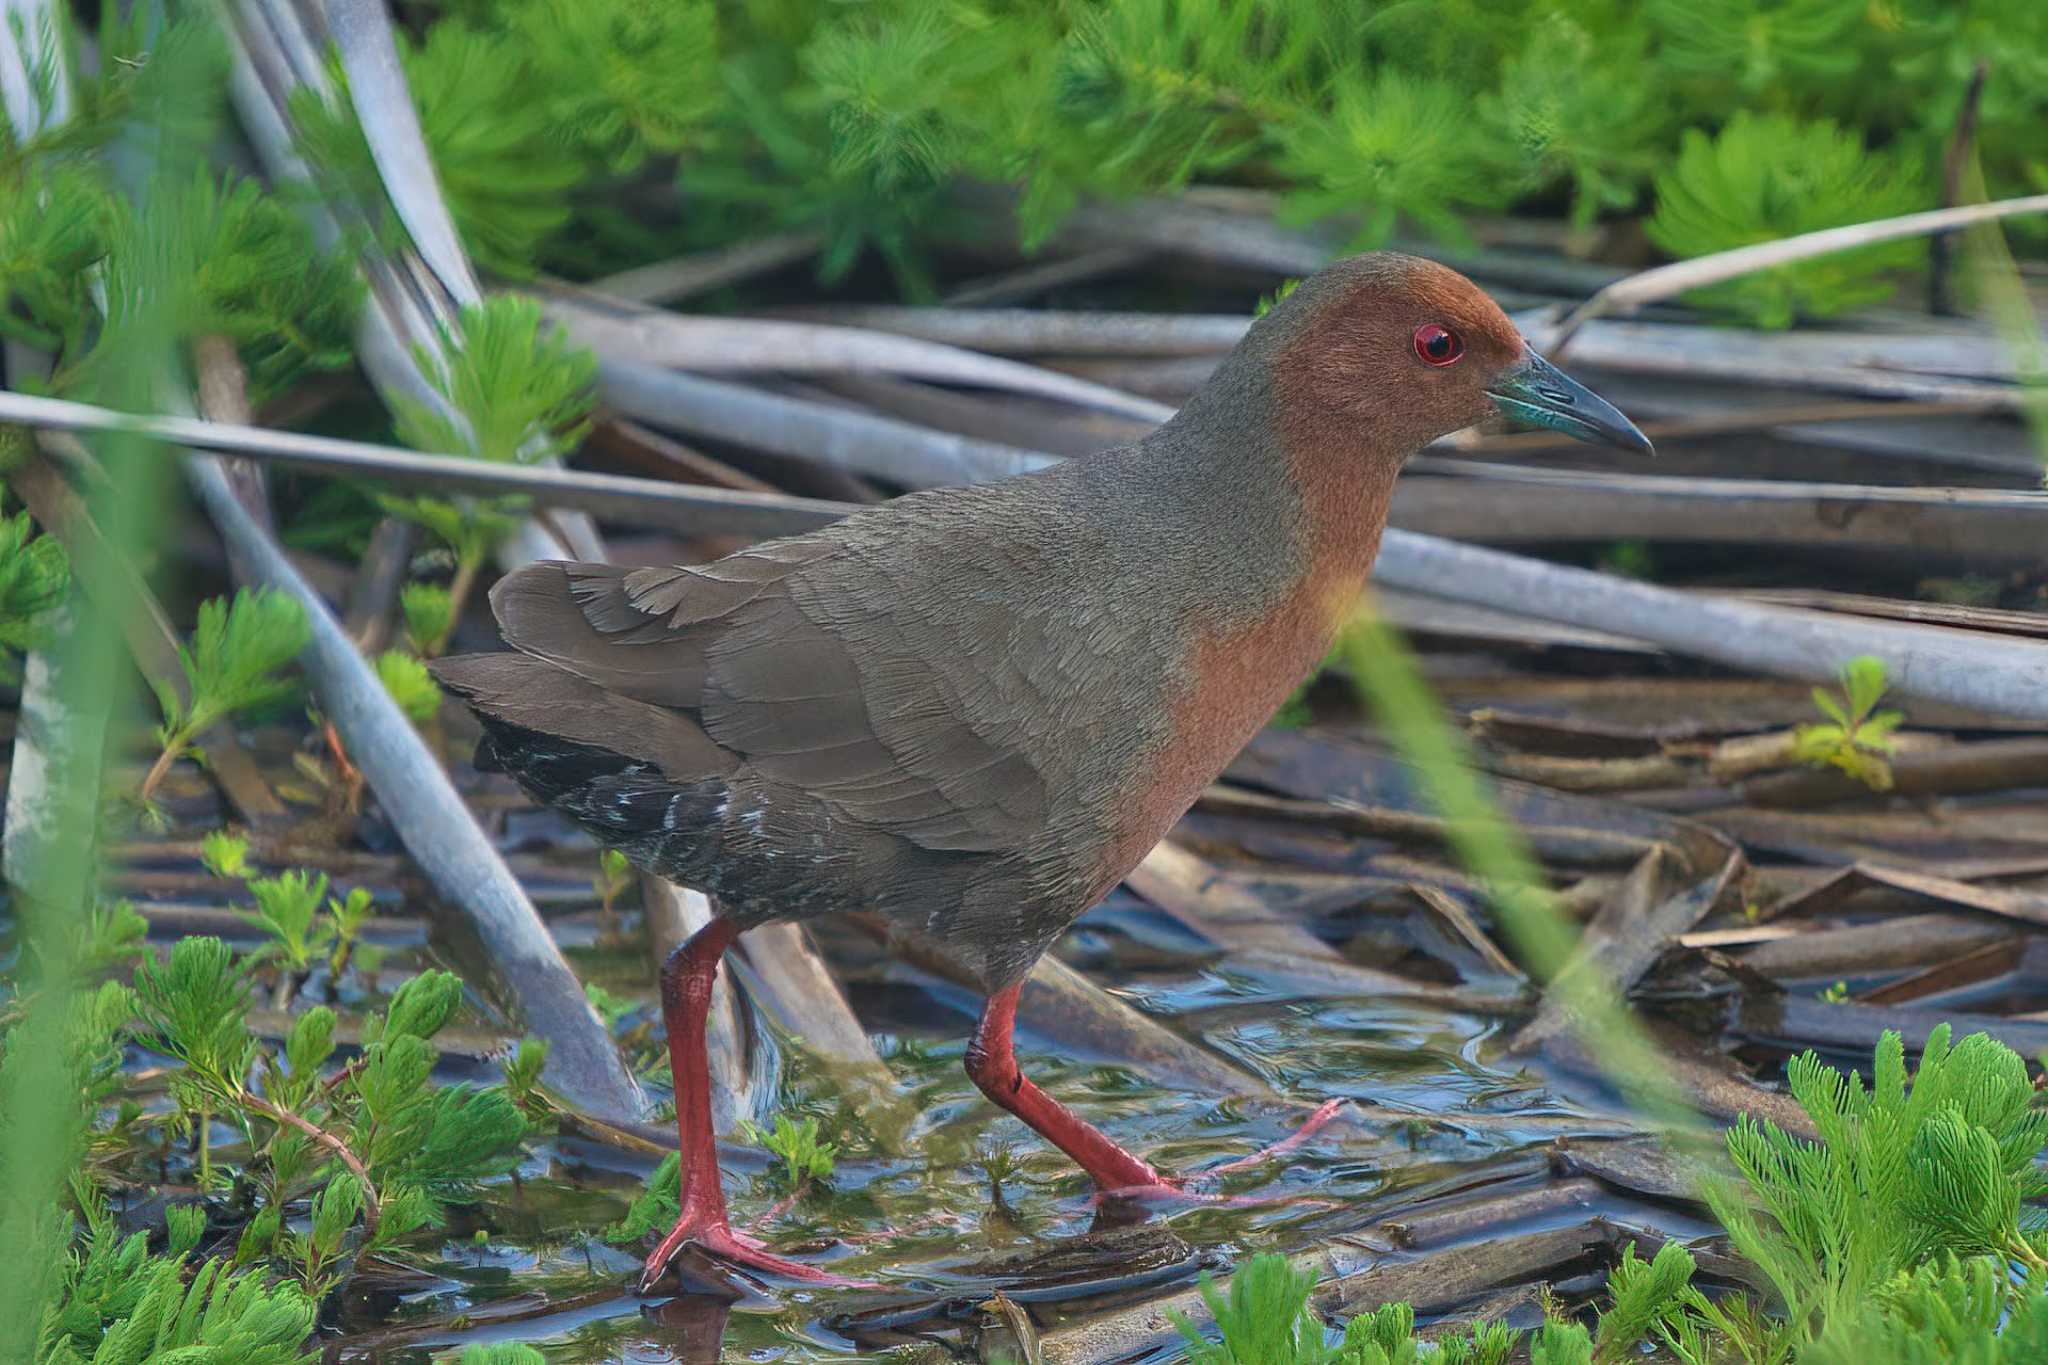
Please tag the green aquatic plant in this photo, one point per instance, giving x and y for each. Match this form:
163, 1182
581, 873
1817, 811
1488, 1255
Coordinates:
34, 574
512, 390
1856, 737
116, 1304
376, 1145
1767, 176
796, 1145
406, 678
1890, 1238
233, 663
429, 616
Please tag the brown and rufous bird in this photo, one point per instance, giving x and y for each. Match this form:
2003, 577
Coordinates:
974, 710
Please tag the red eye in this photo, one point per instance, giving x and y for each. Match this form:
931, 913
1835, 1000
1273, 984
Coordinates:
1438, 345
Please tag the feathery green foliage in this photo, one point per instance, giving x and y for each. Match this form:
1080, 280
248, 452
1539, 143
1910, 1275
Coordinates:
410, 685
1901, 1175
301, 931
499, 167
1856, 736
1947, 1312
513, 389
1759, 48
654, 1209
55, 219
232, 664
501, 1353
1265, 1317
522, 104
34, 573
429, 616
1395, 145
803, 1157
1770, 176
375, 1134
516, 390
1573, 106
224, 258
117, 1305
1890, 1239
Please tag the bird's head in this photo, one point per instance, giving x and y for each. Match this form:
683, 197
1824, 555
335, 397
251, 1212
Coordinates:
1387, 352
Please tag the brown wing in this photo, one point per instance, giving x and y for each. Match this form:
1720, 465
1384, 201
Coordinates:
797, 662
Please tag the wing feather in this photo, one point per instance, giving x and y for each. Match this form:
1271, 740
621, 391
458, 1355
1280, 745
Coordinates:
794, 658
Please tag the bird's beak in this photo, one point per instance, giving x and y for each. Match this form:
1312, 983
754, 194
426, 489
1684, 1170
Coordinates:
1537, 392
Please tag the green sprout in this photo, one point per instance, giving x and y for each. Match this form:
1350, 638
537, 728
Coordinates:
288, 910
511, 390
410, 685
614, 878
231, 665
429, 615
34, 574
1856, 736
804, 1158
225, 855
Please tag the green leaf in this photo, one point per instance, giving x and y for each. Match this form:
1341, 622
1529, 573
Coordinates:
288, 909
335, 1210
523, 1069
655, 1207
236, 651
34, 575
428, 611
410, 685
1561, 1343
1863, 682
803, 1157
518, 388
310, 1044
1825, 701
225, 854
1264, 1318
184, 1225
1644, 1293
423, 1005
194, 1007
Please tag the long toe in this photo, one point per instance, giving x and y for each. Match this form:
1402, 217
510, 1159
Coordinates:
1314, 1123
1170, 1189
742, 1252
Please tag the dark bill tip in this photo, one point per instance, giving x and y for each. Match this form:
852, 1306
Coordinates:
1538, 393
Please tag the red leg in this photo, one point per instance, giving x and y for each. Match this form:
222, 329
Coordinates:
685, 1005
992, 1065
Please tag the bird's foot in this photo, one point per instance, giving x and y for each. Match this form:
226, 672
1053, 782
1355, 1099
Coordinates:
1184, 1189
1314, 1123
715, 1238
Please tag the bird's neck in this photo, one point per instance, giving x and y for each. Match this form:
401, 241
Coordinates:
1280, 514
1280, 529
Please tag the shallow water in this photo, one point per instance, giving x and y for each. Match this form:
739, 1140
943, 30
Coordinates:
938, 1197
974, 1202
